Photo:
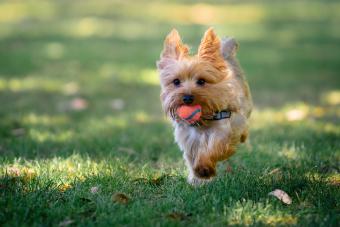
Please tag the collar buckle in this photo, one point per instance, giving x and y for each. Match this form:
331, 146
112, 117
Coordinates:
220, 115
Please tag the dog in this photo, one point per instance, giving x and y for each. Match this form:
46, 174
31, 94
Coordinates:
213, 80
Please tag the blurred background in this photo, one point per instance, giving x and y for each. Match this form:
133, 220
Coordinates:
81, 118
80, 77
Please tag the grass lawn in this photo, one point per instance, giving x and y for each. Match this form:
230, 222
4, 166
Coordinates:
83, 140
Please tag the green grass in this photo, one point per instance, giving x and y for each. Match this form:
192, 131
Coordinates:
103, 53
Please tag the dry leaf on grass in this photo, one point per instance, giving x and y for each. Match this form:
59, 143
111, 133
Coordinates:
94, 190
120, 198
178, 216
281, 195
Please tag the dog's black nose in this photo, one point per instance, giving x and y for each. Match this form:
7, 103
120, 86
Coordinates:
188, 99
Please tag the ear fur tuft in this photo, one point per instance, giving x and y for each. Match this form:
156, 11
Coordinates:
173, 49
209, 49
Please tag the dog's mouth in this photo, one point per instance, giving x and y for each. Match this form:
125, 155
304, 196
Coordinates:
194, 115
207, 111
189, 113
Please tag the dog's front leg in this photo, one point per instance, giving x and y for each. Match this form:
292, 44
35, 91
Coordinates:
201, 168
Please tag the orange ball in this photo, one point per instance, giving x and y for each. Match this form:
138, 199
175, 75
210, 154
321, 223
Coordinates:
190, 114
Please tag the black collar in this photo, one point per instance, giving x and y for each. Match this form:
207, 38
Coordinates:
220, 115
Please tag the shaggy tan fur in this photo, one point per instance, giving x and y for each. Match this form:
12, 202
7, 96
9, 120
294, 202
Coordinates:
225, 87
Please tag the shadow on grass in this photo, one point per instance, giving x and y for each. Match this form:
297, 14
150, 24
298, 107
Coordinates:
148, 139
240, 198
289, 56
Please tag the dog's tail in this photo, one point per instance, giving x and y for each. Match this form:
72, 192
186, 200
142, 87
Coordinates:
229, 47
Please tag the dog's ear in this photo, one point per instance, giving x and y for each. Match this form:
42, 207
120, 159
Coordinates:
173, 49
209, 49
229, 47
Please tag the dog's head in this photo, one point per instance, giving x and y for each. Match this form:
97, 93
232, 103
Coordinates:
200, 79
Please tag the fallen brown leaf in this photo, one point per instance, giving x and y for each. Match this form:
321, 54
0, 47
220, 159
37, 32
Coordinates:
178, 216
281, 195
94, 190
120, 198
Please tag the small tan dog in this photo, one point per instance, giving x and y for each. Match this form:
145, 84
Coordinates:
213, 82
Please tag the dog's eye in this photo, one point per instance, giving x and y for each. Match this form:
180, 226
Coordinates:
176, 82
200, 82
